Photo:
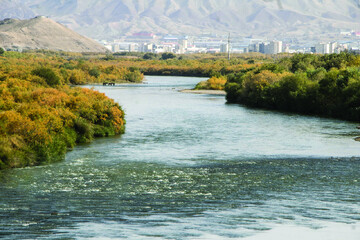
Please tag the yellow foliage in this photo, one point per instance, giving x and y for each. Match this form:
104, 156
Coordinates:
38, 123
214, 83
217, 83
257, 82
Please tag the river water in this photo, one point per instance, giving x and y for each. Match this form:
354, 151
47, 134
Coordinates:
193, 167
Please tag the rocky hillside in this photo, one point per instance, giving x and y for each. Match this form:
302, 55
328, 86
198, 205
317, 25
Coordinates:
111, 18
43, 33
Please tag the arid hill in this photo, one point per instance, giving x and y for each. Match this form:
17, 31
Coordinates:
43, 33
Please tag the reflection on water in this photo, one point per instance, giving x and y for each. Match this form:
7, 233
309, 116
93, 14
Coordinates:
189, 167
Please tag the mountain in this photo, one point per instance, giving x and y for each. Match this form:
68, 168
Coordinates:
43, 33
280, 18
15, 8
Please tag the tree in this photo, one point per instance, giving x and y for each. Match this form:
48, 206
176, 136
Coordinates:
166, 56
1, 51
148, 56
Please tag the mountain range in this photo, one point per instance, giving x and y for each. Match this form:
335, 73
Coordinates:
102, 19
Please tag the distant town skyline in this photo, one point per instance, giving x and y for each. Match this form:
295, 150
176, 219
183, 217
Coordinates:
146, 42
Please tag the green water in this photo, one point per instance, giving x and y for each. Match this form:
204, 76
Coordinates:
189, 167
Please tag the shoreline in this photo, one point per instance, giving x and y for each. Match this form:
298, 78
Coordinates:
209, 92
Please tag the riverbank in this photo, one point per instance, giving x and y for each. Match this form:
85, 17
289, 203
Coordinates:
209, 92
41, 116
320, 85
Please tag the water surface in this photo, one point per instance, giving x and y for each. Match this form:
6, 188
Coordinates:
191, 167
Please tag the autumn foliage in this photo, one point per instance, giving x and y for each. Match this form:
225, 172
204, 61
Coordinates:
41, 117
214, 83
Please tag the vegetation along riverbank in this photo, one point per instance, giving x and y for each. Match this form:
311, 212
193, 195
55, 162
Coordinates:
325, 85
41, 116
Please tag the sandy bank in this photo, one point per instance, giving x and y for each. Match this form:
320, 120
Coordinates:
210, 92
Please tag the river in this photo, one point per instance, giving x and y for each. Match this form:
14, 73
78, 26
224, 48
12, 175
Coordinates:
193, 167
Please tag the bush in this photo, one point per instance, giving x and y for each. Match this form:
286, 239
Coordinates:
214, 83
84, 130
2, 51
166, 56
68, 66
135, 76
77, 77
51, 78
109, 57
95, 72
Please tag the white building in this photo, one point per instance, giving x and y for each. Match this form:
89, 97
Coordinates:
183, 43
168, 48
116, 48
275, 47
322, 48
332, 47
255, 47
286, 48
224, 48
132, 47
182, 46
146, 47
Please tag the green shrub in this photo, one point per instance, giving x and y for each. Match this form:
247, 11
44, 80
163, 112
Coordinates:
51, 78
95, 72
70, 137
84, 130
135, 76
109, 57
51, 152
103, 131
68, 66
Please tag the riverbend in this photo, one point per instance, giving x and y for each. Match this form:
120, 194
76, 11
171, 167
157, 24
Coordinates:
191, 166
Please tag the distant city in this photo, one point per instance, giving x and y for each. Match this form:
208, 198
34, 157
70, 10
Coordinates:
149, 42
